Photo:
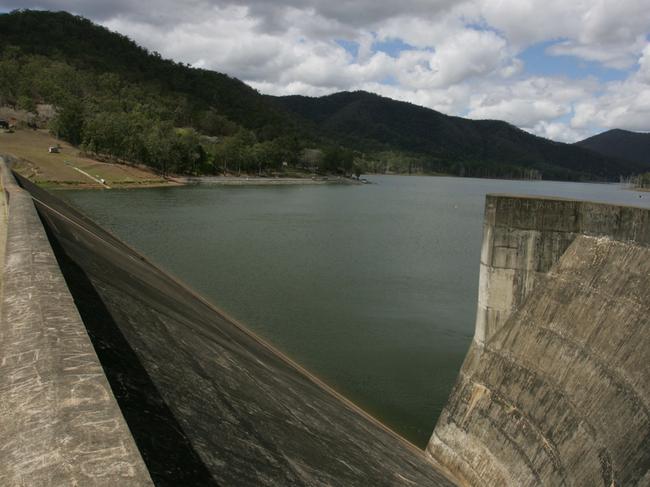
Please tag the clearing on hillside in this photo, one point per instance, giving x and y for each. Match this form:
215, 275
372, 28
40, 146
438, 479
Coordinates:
67, 168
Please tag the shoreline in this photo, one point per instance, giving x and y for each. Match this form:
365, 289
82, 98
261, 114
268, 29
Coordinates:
178, 181
59, 186
259, 181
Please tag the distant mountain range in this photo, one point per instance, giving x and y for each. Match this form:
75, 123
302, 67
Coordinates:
66, 60
375, 123
630, 146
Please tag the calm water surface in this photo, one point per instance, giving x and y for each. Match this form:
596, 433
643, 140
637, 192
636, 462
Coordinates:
373, 287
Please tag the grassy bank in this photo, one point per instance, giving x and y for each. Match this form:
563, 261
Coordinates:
69, 169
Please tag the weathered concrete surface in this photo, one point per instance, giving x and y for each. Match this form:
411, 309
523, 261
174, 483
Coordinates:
59, 422
523, 237
252, 416
559, 392
3, 229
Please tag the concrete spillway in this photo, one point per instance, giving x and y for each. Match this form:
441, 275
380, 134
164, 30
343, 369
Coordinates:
206, 402
114, 373
555, 389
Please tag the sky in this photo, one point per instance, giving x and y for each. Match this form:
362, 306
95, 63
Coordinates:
561, 69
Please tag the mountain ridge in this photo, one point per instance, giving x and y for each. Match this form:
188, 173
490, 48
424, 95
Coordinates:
361, 119
105, 79
628, 145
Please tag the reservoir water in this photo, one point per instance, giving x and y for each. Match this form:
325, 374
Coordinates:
373, 288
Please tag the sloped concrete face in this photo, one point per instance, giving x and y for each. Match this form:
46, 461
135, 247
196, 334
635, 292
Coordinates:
253, 417
59, 421
559, 392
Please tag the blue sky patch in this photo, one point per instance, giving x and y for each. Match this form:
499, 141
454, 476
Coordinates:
538, 62
351, 47
392, 47
389, 80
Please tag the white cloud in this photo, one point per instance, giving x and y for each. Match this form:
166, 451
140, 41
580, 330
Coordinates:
558, 131
643, 75
451, 100
608, 31
624, 104
466, 54
527, 102
617, 56
463, 59
522, 112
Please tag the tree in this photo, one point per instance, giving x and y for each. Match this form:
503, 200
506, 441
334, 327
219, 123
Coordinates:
68, 124
160, 148
212, 123
337, 160
26, 103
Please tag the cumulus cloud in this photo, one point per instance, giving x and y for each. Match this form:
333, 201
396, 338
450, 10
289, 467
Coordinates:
558, 131
624, 104
461, 57
528, 102
466, 54
610, 31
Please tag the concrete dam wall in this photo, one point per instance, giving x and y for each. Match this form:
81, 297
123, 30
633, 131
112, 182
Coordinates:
555, 388
206, 402
112, 372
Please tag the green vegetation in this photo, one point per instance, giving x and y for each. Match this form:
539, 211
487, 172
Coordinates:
401, 137
642, 181
631, 146
119, 102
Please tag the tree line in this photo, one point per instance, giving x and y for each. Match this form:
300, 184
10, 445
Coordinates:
109, 117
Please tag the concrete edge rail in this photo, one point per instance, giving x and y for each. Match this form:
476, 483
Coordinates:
59, 421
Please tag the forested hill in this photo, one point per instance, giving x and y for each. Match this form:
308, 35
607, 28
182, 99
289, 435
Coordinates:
474, 147
87, 47
115, 99
631, 146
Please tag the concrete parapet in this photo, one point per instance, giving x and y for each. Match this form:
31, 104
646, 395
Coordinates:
556, 389
59, 421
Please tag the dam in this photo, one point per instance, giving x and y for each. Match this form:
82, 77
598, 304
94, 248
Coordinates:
555, 387
115, 372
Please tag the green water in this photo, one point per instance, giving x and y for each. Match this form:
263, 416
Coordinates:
373, 288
